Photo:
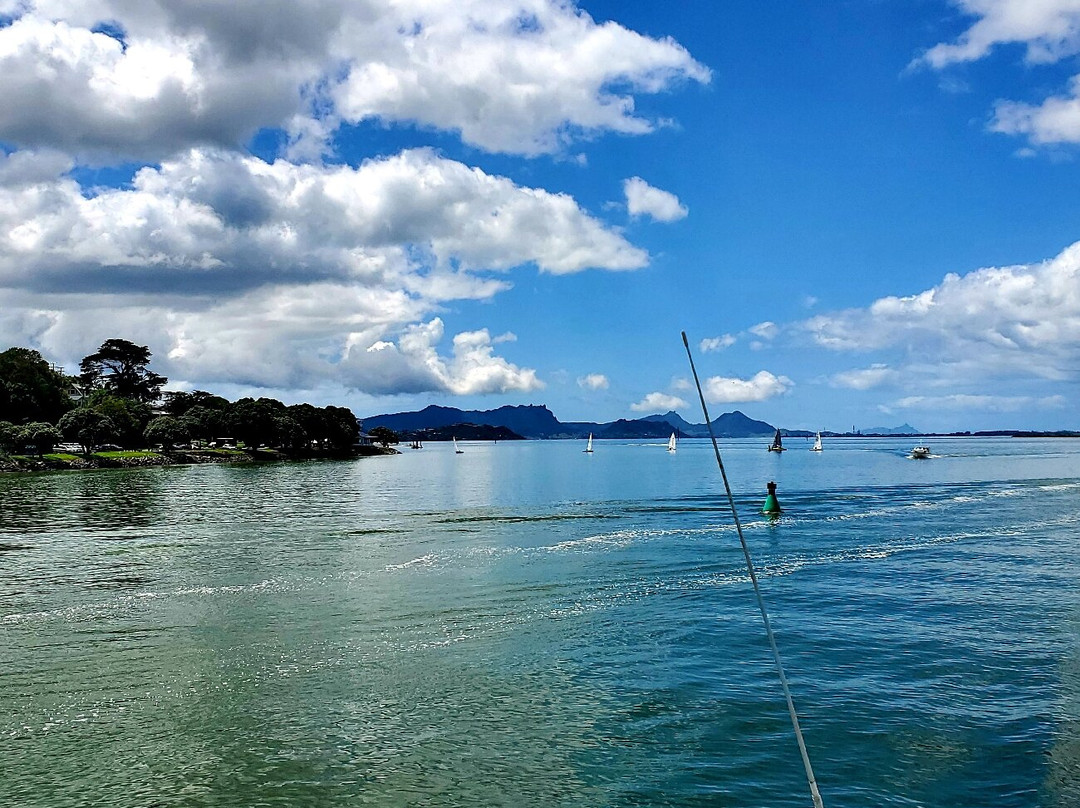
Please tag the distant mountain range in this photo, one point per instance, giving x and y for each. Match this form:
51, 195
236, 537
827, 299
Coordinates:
538, 422
903, 429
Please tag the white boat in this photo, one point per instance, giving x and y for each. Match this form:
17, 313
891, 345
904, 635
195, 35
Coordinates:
588, 446
456, 449
920, 452
671, 443
777, 444
817, 444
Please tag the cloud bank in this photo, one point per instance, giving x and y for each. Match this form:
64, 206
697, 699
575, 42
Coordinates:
299, 272
1018, 321
109, 77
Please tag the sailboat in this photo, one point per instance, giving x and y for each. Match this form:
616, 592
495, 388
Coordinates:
456, 449
671, 443
817, 444
777, 444
588, 446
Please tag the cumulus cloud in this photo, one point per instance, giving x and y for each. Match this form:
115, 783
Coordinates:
1050, 32
216, 221
864, 378
644, 200
593, 381
761, 387
414, 365
1019, 321
262, 270
519, 76
710, 344
1055, 120
765, 330
658, 402
1049, 28
293, 273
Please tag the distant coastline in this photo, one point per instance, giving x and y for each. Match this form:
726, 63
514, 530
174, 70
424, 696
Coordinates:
537, 422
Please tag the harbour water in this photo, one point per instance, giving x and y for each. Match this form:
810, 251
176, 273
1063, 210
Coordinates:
527, 624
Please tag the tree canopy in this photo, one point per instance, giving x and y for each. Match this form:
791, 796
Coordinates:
30, 390
120, 367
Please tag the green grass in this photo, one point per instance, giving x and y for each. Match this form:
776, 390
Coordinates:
61, 456
128, 453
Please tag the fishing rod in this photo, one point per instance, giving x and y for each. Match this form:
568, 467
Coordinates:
814, 793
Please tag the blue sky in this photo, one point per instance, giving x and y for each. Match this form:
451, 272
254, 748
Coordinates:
862, 213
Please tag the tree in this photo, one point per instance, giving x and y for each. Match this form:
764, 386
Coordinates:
343, 430
384, 435
120, 367
204, 423
8, 436
129, 417
30, 390
167, 431
87, 427
255, 421
37, 437
178, 402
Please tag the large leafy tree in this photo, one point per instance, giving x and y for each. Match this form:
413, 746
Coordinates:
127, 415
30, 390
179, 403
88, 427
167, 431
120, 367
37, 437
256, 422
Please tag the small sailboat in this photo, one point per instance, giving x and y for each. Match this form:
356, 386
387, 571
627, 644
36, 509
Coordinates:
920, 452
456, 449
588, 446
777, 444
671, 443
817, 444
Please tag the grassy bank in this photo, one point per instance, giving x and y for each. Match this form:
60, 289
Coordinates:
135, 458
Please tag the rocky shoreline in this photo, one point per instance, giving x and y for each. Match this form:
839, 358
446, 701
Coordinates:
24, 463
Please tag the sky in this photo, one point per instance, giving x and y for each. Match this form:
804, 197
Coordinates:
862, 212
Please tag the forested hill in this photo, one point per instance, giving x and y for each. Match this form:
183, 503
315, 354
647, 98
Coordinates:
538, 422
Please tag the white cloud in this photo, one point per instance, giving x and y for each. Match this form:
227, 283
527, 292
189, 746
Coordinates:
710, 344
1049, 28
217, 221
658, 402
965, 403
765, 330
1020, 321
1055, 120
524, 76
268, 273
865, 378
763, 386
643, 199
593, 381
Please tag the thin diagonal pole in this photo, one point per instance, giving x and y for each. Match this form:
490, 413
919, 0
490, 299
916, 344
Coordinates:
757, 591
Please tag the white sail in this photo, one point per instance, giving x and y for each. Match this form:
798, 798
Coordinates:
588, 446
456, 449
817, 444
671, 443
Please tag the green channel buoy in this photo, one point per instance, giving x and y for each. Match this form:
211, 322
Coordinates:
771, 505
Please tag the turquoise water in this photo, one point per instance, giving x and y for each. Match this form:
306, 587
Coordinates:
525, 624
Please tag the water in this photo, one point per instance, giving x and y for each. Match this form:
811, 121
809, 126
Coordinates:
525, 624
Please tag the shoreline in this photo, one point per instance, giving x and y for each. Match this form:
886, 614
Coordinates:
28, 464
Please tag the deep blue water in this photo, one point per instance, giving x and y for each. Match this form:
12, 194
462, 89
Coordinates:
525, 624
